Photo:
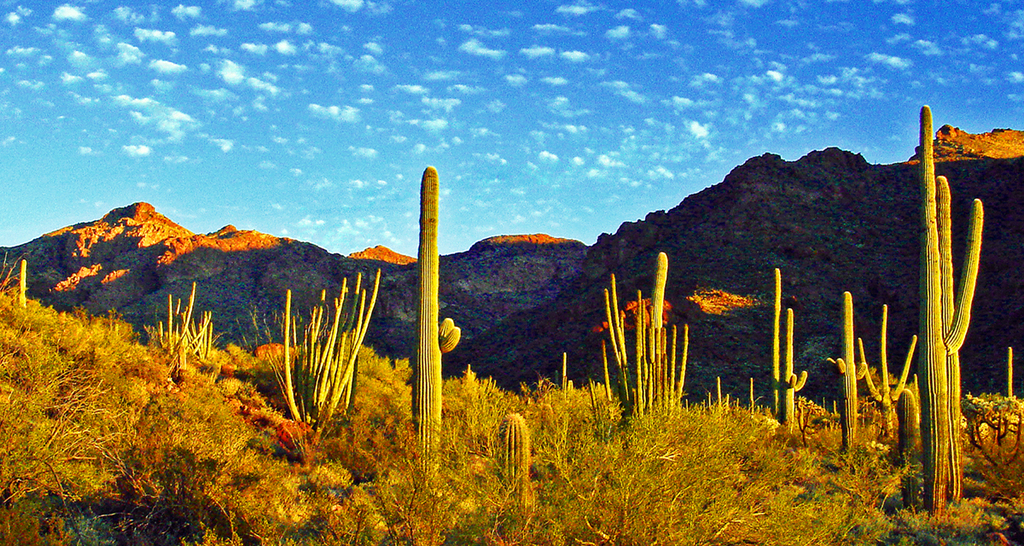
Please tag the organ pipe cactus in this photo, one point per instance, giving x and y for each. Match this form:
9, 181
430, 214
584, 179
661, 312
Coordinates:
318, 375
847, 368
516, 457
944, 320
884, 394
182, 337
23, 284
654, 377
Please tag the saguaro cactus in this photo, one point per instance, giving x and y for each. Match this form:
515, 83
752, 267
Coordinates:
943, 326
516, 457
427, 389
785, 383
22, 285
884, 394
847, 368
909, 443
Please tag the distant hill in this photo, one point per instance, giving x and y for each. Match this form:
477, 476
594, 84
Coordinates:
133, 257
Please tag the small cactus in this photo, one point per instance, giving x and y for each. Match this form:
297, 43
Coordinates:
847, 368
910, 444
515, 457
23, 285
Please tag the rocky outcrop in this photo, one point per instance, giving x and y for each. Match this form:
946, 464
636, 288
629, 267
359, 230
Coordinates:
132, 258
953, 144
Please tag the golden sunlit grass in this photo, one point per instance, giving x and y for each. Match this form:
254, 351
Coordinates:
719, 302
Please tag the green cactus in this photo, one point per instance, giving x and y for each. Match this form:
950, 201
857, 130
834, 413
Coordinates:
785, 382
847, 368
1009, 372
183, 338
23, 285
318, 375
884, 394
943, 326
448, 336
658, 379
516, 458
427, 380
909, 443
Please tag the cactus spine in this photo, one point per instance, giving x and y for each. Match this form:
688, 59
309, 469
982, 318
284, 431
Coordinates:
883, 393
847, 367
785, 382
23, 285
943, 326
427, 392
516, 457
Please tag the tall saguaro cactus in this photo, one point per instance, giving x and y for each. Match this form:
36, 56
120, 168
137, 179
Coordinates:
943, 326
785, 383
884, 394
847, 367
427, 388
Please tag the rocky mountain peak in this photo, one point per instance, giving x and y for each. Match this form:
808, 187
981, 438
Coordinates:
955, 144
382, 253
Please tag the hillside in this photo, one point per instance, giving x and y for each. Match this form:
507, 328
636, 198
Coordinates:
133, 257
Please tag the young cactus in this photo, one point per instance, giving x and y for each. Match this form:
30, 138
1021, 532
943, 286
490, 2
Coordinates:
943, 327
1009, 373
23, 285
516, 457
884, 394
909, 443
847, 368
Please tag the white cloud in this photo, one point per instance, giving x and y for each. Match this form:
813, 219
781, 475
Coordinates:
231, 72
126, 15
255, 49
275, 27
577, 9
152, 35
475, 47
79, 59
551, 80
606, 161
441, 75
284, 47
697, 130
575, 56
69, 79
167, 67
304, 28
891, 61
134, 150
129, 54
349, 5
625, 91
367, 63
628, 13
413, 89
208, 30
441, 104
903, 19
659, 31
224, 144
183, 12
245, 5
707, 77
146, 111
620, 32
928, 48
775, 75
347, 113
434, 124
14, 17
516, 80
373, 47
536, 51
368, 153
1015, 77
547, 157
661, 172
85, 150
68, 12
19, 51
754, 3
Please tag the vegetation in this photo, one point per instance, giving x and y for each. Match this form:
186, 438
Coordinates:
108, 441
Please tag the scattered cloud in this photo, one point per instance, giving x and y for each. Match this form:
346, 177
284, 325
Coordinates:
167, 67
554, 80
67, 12
349, 5
659, 31
891, 61
575, 56
697, 130
136, 150
475, 47
577, 9
284, 47
536, 51
625, 91
903, 19
347, 114
255, 49
547, 157
129, 54
152, 35
207, 30
412, 89
516, 80
620, 32
183, 12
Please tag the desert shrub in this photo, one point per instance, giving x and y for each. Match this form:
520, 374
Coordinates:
995, 433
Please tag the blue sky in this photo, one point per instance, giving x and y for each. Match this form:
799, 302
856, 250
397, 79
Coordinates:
314, 119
